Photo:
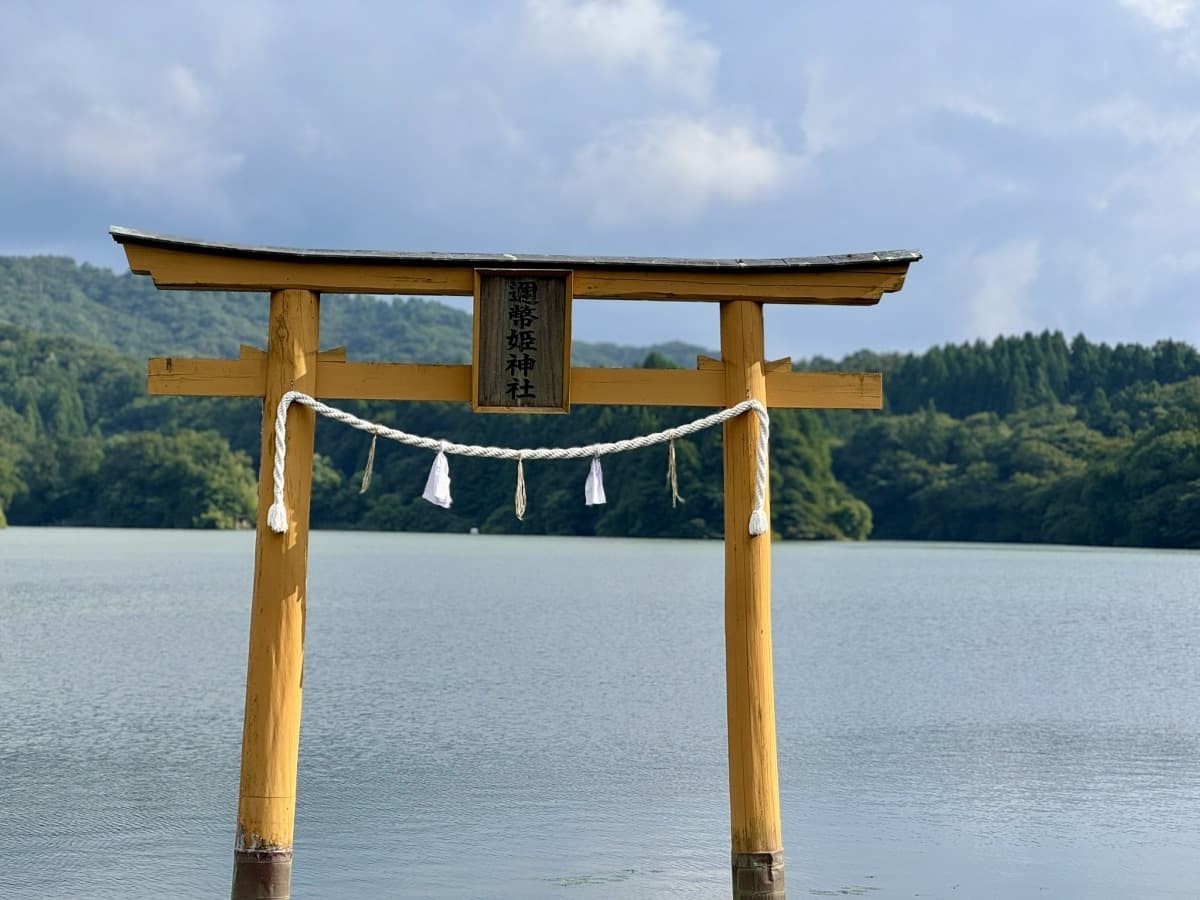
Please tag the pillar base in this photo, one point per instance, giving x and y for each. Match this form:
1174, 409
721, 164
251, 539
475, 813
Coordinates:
262, 875
758, 876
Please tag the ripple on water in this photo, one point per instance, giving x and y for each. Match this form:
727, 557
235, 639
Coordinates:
954, 721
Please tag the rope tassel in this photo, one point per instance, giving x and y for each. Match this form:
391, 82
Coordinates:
593, 488
672, 477
366, 479
437, 486
519, 496
277, 519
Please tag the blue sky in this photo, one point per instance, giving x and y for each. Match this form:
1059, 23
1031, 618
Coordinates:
1045, 157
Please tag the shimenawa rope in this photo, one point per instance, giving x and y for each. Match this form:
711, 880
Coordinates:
437, 489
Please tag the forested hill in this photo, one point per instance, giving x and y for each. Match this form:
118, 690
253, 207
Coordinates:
81, 443
1031, 438
55, 296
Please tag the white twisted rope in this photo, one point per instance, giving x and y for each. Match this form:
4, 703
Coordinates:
277, 514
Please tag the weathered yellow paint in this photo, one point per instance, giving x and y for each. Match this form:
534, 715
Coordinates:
393, 381
824, 390
418, 381
274, 671
646, 387
245, 377
333, 354
771, 367
187, 269
750, 688
838, 287
175, 267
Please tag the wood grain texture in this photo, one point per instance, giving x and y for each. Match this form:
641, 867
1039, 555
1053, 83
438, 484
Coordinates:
522, 319
246, 377
851, 280
646, 387
824, 390
771, 367
750, 688
393, 381
589, 386
856, 287
274, 672
176, 269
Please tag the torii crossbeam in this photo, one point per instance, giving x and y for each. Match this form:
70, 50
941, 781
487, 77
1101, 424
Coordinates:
295, 280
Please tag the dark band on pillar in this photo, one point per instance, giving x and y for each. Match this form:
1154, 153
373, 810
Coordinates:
262, 875
758, 876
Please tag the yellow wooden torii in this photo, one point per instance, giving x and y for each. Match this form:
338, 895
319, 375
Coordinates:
295, 279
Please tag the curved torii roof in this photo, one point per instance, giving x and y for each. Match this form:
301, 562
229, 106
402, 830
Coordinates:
847, 279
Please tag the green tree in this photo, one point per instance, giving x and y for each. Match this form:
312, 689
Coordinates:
189, 479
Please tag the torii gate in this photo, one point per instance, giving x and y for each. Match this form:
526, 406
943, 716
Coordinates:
295, 280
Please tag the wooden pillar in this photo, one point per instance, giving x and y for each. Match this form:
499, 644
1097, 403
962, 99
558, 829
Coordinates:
262, 866
749, 682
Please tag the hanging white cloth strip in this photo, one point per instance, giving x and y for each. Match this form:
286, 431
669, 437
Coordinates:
437, 489
593, 488
437, 485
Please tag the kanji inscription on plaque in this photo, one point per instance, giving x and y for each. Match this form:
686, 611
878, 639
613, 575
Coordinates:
522, 341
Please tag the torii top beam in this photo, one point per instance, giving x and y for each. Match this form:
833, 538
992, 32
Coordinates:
856, 279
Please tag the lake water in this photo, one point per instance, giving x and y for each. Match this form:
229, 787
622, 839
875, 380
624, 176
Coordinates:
954, 721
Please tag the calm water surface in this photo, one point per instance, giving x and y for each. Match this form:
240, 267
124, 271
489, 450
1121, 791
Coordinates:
954, 721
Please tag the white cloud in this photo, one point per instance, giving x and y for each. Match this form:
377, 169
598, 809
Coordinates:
618, 34
1003, 277
672, 167
1161, 187
1165, 14
832, 118
1185, 44
131, 151
973, 107
1179, 21
188, 94
1185, 263
241, 36
156, 139
1135, 121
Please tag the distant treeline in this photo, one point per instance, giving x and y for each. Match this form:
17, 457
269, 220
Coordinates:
81, 443
1015, 373
1032, 438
